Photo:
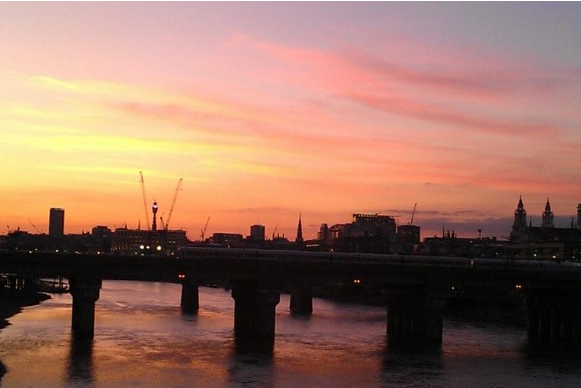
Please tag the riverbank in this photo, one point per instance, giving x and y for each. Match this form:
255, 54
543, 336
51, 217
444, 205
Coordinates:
11, 303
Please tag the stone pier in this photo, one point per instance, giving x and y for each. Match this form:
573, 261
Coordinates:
553, 319
301, 300
254, 313
85, 287
415, 317
190, 300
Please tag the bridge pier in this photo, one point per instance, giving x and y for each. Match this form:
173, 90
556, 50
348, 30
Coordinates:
553, 319
301, 300
415, 317
85, 286
254, 313
190, 299
83, 317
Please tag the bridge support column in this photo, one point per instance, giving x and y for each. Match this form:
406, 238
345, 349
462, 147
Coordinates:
85, 286
301, 300
416, 318
254, 313
567, 322
190, 300
83, 321
556, 323
533, 319
434, 319
554, 320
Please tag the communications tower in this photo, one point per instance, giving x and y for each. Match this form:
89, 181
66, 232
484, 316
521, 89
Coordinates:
154, 211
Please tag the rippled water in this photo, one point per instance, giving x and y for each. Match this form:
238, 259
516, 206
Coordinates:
143, 340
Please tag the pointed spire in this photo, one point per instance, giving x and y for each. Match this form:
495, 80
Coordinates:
547, 205
299, 239
519, 226
548, 216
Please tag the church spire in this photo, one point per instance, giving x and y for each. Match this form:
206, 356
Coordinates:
519, 227
548, 216
299, 239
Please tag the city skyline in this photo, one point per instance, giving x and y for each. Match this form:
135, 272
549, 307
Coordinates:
271, 110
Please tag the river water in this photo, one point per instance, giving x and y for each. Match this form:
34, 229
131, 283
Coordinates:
143, 340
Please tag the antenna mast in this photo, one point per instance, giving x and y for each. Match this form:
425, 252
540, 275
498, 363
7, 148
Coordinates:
144, 201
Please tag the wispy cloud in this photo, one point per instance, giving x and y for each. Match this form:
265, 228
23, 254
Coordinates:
479, 98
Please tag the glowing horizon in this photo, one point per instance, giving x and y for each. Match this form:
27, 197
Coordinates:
322, 109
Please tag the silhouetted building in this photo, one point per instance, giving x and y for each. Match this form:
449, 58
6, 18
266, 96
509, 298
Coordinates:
280, 242
408, 238
547, 219
21, 240
545, 242
142, 242
56, 222
299, 239
257, 233
519, 226
323, 234
452, 245
368, 233
228, 239
408, 234
102, 238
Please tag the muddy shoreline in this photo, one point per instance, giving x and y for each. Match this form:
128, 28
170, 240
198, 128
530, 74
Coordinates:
12, 303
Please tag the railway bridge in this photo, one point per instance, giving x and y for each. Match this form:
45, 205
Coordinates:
415, 287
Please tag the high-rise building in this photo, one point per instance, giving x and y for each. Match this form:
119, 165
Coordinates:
579, 216
257, 232
56, 222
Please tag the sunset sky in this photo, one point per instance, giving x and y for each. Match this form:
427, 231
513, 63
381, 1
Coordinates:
271, 110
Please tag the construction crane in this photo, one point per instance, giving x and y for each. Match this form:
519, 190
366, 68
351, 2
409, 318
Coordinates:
34, 226
173, 202
204, 229
413, 214
144, 201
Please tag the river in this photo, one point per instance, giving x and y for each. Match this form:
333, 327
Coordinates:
143, 340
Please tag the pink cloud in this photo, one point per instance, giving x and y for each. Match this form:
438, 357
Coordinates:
443, 92
438, 114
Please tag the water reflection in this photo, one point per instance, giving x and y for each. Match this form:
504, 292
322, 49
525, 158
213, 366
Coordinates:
80, 363
413, 363
251, 363
245, 346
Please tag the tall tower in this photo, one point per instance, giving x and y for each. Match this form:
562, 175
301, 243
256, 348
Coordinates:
299, 239
154, 211
519, 227
257, 232
547, 216
56, 222
579, 216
